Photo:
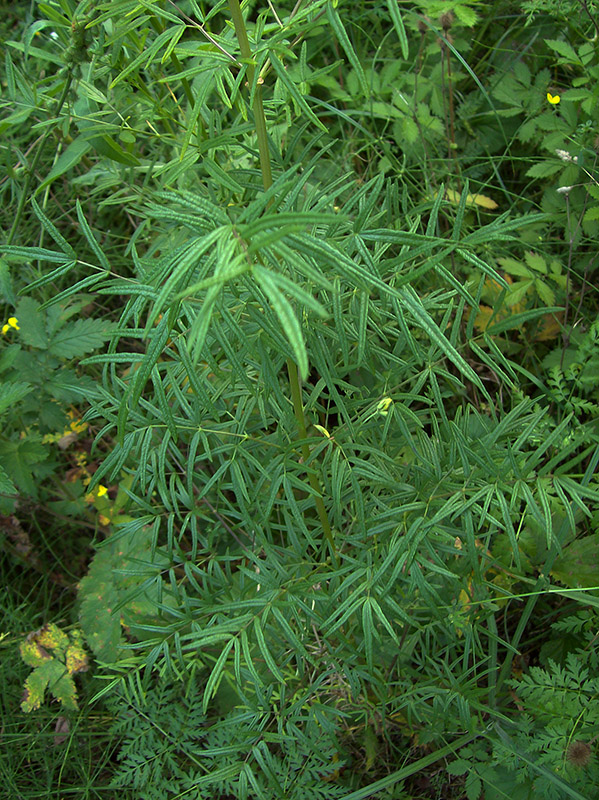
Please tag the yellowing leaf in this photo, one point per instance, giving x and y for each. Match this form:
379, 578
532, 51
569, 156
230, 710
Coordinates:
480, 200
55, 657
550, 328
483, 317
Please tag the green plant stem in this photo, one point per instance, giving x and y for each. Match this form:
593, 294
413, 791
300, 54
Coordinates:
36, 159
262, 136
298, 408
258, 108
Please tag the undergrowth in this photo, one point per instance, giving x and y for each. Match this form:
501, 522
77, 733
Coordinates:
299, 400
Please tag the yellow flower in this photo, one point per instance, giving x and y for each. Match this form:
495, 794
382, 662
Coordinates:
383, 406
102, 490
553, 98
12, 323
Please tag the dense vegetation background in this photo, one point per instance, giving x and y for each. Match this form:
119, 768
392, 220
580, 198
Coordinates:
299, 393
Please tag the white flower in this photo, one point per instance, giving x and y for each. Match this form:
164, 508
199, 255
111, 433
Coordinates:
565, 156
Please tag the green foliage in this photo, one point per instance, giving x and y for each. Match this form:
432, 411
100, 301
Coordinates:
121, 590
559, 728
55, 657
230, 757
38, 383
343, 434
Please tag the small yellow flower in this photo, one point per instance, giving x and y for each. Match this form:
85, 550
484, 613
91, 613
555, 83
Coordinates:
553, 98
102, 490
383, 406
12, 323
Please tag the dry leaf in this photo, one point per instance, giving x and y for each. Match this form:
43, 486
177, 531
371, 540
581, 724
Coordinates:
61, 731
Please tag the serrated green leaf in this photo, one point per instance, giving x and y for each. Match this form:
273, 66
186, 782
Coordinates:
80, 337
466, 15
473, 786
544, 169
591, 214
32, 322
7, 293
120, 583
515, 268
11, 392
578, 564
98, 596
55, 657
6, 485
545, 292
19, 458
563, 49
536, 262
458, 767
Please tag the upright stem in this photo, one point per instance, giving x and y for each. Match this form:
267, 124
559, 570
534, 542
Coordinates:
294, 382
298, 408
259, 118
36, 159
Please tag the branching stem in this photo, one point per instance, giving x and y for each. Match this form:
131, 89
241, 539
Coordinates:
294, 381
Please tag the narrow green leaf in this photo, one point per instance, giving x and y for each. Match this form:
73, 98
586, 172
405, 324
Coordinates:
216, 674
383, 619
108, 147
75, 288
66, 161
293, 90
186, 264
368, 631
221, 177
399, 27
270, 663
422, 317
517, 320
343, 39
286, 316
35, 254
91, 239
145, 57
